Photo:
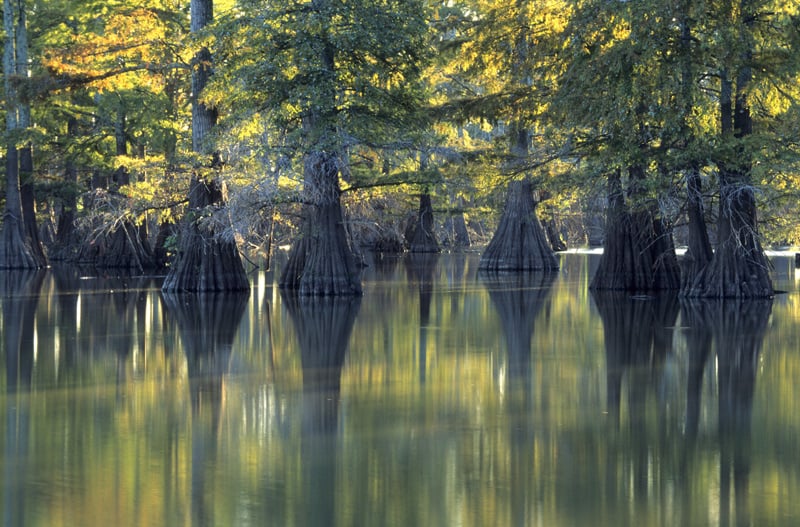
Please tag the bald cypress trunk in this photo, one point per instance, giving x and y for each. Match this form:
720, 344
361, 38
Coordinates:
519, 243
123, 246
639, 254
739, 268
208, 259
420, 235
16, 250
321, 261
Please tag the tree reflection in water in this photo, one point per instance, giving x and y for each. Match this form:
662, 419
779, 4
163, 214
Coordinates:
207, 323
323, 326
638, 338
420, 270
738, 329
518, 299
20, 295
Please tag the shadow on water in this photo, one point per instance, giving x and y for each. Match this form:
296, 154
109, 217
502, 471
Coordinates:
101, 313
638, 335
323, 326
207, 323
20, 290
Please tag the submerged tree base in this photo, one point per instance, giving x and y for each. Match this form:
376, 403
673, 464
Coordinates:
420, 237
123, 248
15, 251
207, 260
734, 272
321, 262
519, 243
638, 255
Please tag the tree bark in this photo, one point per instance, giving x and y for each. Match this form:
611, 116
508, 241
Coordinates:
420, 235
639, 254
699, 252
519, 243
16, 251
321, 261
26, 152
739, 268
207, 260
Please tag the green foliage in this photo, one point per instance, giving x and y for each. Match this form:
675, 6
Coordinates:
351, 67
415, 95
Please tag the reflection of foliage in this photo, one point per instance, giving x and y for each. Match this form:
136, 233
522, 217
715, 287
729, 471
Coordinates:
459, 448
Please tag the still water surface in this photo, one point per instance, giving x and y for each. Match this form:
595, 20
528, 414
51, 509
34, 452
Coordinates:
440, 398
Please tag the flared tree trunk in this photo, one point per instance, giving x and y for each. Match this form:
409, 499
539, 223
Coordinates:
519, 243
699, 252
321, 261
124, 245
28, 200
639, 254
420, 236
16, 251
207, 260
26, 152
739, 268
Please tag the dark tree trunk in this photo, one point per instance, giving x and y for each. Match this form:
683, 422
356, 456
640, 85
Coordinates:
639, 254
550, 225
66, 240
26, 152
121, 246
207, 260
699, 252
16, 251
739, 268
160, 251
420, 235
29, 205
321, 261
519, 243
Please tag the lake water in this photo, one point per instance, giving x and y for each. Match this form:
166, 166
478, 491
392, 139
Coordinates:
440, 398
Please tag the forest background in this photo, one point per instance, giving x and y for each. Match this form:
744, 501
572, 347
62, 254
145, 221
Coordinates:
676, 115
